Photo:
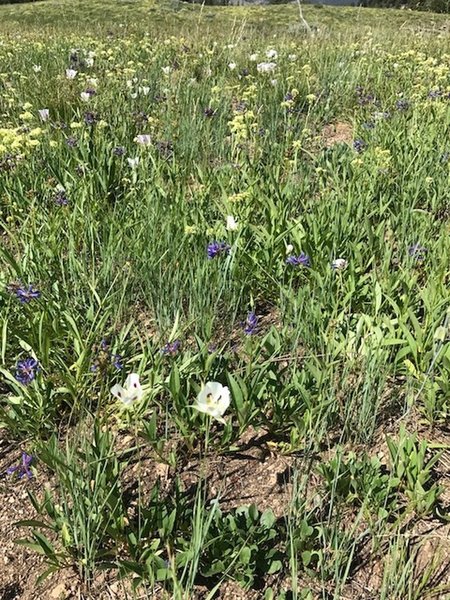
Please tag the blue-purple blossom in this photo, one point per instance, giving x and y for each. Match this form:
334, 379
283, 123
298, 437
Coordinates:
106, 357
72, 142
90, 118
26, 293
417, 251
26, 370
364, 97
171, 348
402, 104
116, 360
359, 145
302, 260
23, 468
61, 198
119, 151
251, 324
217, 248
433, 94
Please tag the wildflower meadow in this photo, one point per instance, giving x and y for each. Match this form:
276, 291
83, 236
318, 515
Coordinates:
224, 302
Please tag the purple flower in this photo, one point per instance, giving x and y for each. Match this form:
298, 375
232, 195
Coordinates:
217, 248
26, 370
359, 145
402, 104
364, 97
251, 324
302, 260
23, 468
25, 294
72, 142
116, 360
90, 118
417, 251
209, 112
433, 94
61, 198
119, 151
171, 348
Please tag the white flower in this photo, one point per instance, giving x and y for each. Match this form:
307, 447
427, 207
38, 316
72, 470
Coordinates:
130, 392
37, 68
231, 223
289, 249
89, 62
143, 139
213, 400
44, 114
92, 81
274, 82
271, 53
134, 95
266, 67
292, 57
166, 70
71, 73
133, 162
85, 96
144, 90
339, 264
253, 57
232, 66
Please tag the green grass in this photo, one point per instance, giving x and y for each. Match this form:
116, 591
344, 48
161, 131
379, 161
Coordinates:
346, 374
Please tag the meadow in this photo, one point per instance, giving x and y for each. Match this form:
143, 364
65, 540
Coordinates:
224, 302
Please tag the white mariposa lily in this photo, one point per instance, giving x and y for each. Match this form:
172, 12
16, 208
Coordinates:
130, 392
213, 400
231, 223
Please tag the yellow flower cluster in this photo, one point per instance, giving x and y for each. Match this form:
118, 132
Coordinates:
13, 141
242, 125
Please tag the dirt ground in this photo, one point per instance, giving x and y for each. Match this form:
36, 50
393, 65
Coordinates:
253, 474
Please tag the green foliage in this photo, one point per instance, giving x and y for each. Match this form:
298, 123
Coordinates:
340, 153
412, 469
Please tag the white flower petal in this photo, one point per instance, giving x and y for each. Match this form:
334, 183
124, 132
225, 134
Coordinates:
118, 391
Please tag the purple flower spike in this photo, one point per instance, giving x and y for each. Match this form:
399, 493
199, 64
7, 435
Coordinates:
61, 198
217, 248
119, 151
171, 348
417, 251
26, 294
116, 360
251, 324
23, 468
359, 145
26, 370
301, 260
